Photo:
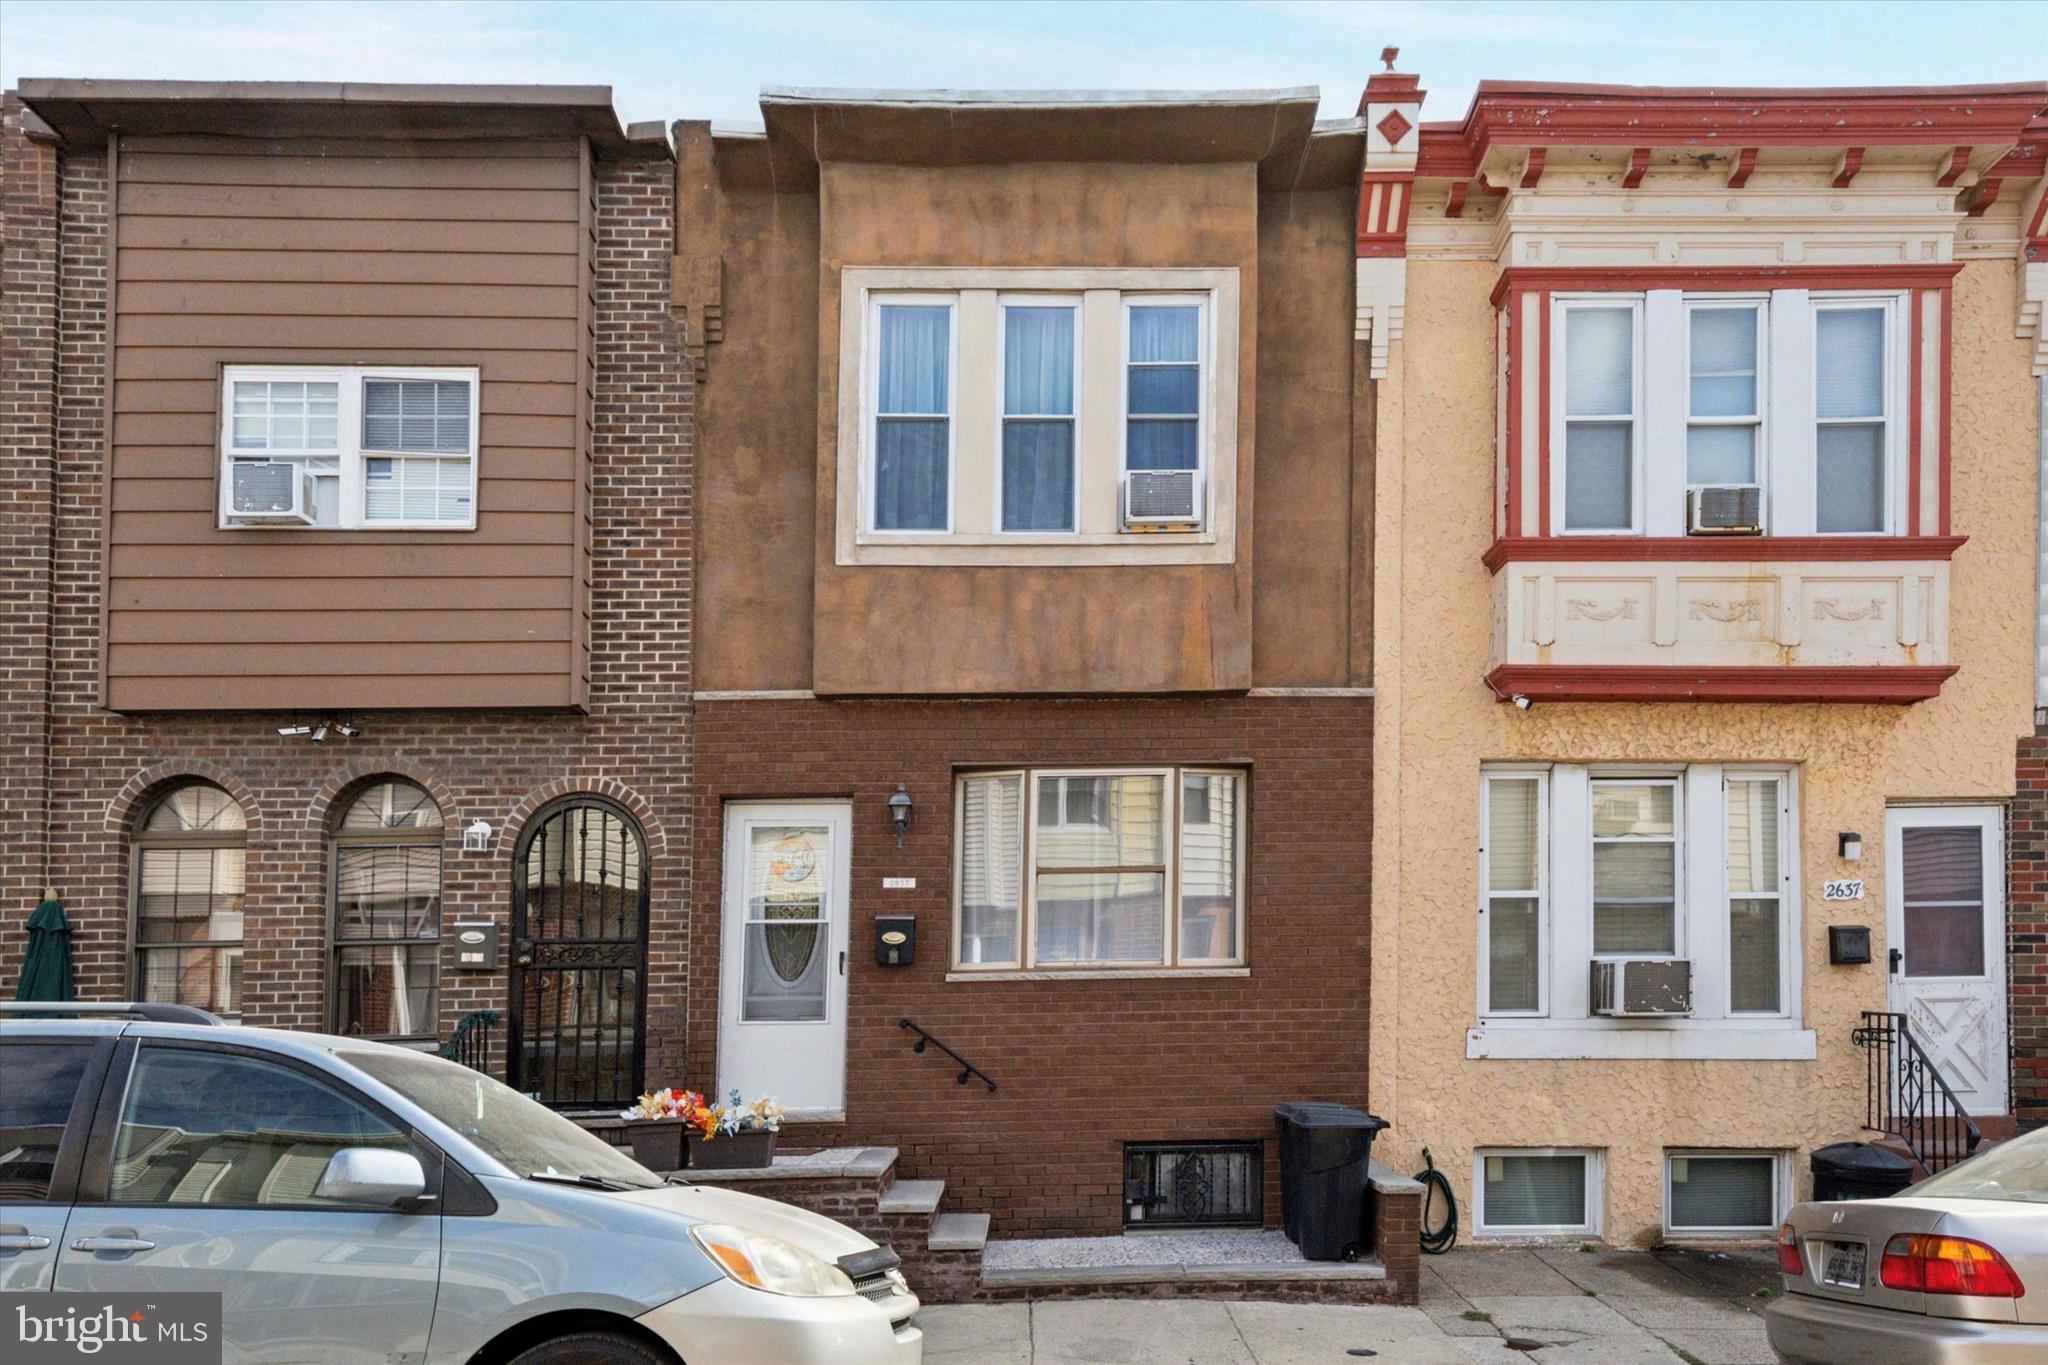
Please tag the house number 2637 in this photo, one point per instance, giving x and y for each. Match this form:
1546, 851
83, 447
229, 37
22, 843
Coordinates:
1851, 890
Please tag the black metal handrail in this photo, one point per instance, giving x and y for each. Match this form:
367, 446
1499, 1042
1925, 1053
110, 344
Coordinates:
967, 1068
1907, 1096
470, 1043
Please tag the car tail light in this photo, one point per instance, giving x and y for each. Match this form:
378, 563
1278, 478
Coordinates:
1947, 1265
1788, 1251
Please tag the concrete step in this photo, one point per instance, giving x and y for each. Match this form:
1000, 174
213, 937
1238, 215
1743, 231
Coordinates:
1191, 1263
958, 1232
912, 1197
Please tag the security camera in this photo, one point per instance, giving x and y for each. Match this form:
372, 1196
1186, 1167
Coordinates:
1521, 702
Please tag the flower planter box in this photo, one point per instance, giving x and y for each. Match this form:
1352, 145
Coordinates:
731, 1152
657, 1143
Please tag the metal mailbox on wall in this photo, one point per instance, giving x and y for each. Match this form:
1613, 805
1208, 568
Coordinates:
476, 945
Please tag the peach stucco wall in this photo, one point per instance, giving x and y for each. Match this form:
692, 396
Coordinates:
1435, 724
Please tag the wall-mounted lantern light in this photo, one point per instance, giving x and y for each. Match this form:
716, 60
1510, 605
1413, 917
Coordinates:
476, 837
1850, 846
899, 813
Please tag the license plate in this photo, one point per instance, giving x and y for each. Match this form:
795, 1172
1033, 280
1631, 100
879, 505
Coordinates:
1842, 1265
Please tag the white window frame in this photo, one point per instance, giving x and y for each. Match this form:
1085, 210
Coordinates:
1541, 777
1781, 1191
1566, 1026
1173, 962
871, 405
1205, 350
1560, 305
1788, 419
1654, 777
1005, 301
1894, 384
1760, 305
1596, 1194
348, 456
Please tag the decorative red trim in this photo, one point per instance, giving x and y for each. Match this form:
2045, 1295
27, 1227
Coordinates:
1638, 162
1948, 299
1914, 414
1383, 224
1987, 195
1566, 277
1852, 162
1533, 172
1957, 160
1543, 414
1455, 208
1513, 549
1745, 162
2037, 226
1514, 432
1879, 684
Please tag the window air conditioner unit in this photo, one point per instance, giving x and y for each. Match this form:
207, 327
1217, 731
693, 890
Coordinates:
1729, 509
264, 491
1642, 986
1158, 499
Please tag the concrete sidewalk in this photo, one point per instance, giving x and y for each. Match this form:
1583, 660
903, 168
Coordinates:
1487, 1306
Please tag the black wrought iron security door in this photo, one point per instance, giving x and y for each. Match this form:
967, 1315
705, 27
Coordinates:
579, 958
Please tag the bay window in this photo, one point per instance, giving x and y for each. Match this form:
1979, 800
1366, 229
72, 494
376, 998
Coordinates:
1580, 864
348, 447
1099, 869
1796, 393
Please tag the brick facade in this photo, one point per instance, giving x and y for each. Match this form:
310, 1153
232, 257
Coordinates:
75, 776
2027, 938
1082, 1066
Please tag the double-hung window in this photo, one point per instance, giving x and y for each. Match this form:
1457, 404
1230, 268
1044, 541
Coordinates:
1795, 393
349, 447
1163, 383
1126, 868
1582, 864
1041, 376
913, 449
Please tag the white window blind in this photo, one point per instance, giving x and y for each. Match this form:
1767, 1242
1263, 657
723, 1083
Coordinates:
429, 416
991, 868
1514, 893
1755, 896
415, 489
1721, 1193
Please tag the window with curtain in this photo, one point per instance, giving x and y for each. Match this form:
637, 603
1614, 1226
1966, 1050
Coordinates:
913, 417
1163, 386
1724, 405
1532, 1191
1091, 869
1039, 357
1849, 418
387, 913
190, 859
1599, 418
1514, 893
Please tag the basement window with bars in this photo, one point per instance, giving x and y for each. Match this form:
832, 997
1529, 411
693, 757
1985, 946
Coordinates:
1193, 1184
348, 448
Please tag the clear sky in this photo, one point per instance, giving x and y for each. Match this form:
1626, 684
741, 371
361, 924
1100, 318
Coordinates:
709, 60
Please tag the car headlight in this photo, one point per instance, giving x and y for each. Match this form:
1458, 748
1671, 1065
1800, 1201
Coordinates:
759, 1261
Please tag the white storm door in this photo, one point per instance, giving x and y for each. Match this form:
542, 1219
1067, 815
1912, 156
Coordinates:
782, 964
1945, 927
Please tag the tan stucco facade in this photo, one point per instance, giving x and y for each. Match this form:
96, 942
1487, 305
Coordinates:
1436, 723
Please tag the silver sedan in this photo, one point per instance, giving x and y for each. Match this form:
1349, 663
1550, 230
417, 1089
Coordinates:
1953, 1270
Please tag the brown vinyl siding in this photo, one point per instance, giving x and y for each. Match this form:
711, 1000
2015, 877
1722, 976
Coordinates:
239, 252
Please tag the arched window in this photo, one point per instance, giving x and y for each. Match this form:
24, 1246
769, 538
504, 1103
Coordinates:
189, 861
387, 913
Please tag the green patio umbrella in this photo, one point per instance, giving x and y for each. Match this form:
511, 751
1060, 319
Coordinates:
46, 970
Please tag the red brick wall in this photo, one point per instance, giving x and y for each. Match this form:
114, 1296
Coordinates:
1083, 1066
2027, 943
633, 745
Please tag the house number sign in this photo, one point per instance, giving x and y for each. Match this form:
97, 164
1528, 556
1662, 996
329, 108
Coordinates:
1851, 890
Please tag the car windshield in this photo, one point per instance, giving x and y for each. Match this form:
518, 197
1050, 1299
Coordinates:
2015, 1170
530, 1139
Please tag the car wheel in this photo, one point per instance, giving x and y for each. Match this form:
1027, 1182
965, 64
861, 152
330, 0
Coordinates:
591, 1348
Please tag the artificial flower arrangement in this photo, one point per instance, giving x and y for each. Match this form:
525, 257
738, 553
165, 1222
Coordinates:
732, 1118
674, 1127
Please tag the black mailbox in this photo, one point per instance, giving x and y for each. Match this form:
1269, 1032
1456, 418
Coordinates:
895, 940
476, 945
1848, 944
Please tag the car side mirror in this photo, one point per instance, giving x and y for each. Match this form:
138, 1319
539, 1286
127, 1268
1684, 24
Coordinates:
376, 1176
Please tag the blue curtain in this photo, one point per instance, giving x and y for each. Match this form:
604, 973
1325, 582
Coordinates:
1164, 393
910, 451
1038, 454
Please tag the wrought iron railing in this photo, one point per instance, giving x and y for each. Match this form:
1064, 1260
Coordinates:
967, 1068
1192, 1184
470, 1043
1907, 1097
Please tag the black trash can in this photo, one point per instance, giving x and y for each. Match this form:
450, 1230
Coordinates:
1324, 1149
1857, 1170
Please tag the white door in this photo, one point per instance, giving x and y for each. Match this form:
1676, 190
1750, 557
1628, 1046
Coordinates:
782, 967
1945, 926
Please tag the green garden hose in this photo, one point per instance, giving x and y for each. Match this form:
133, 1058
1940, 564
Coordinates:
1441, 1238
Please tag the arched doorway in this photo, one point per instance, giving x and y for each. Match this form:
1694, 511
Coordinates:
579, 957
